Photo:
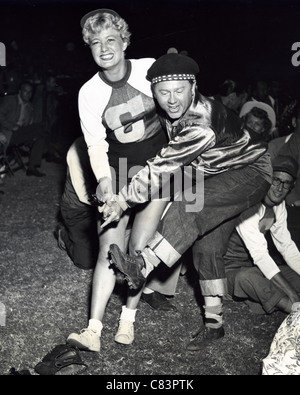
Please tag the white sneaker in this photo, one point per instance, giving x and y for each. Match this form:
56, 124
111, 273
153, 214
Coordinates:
86, 340
125, 334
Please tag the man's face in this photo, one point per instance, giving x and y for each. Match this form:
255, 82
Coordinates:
174, 97
26, 93
281, 186
254, 123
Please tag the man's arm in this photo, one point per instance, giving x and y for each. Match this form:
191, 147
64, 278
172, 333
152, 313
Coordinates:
283, 240
280, 282
256, 243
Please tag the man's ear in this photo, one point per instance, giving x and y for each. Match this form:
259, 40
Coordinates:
194, 87
153, 91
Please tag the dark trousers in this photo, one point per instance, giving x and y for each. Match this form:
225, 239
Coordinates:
293, 221
250, 285
226, 195
81, 238
33, 135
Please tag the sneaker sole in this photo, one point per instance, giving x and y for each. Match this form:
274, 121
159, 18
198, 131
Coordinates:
80, 346
124, 343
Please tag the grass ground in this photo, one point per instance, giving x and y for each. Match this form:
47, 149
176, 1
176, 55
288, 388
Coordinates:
46, 298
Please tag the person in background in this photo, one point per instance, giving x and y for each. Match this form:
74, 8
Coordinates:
232, 94
16, 120
259, 119
253, 276
45, 102
261, 92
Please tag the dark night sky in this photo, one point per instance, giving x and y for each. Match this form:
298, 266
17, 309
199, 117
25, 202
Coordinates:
227, 38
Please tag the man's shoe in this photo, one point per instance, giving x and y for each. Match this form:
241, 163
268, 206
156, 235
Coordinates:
204, 337
158, 301
125, 334
35, 172
87, 340
130, 266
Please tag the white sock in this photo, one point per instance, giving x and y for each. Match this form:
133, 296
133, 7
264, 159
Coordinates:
96, 326
151, 261
128, 314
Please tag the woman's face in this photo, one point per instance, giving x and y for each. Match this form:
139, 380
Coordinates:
108, 49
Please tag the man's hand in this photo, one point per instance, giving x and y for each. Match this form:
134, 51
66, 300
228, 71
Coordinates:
111, 212
296, 203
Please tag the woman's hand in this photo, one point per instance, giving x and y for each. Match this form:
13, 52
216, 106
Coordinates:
104, 191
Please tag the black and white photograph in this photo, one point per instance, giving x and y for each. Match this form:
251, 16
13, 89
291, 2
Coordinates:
149, 190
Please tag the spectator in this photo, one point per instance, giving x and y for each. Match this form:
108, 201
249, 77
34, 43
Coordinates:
16, 120
232, 94
45, 102
291, 148
260, 92
252, 274
259, 119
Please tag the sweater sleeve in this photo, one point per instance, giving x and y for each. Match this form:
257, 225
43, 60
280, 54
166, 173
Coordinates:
91, 104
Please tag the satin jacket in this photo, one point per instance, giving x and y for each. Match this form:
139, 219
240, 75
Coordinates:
207, 137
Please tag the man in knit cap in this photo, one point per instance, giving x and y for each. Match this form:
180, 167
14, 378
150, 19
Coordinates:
237, 174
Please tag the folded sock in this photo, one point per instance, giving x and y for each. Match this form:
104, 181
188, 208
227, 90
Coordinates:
128, 314
214, 316
151, 261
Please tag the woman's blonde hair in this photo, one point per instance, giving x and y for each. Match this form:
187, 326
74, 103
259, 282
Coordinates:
96, 23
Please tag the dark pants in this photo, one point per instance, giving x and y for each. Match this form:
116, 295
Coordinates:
33, 135
249, 284
81, 238
293, 221
225, 196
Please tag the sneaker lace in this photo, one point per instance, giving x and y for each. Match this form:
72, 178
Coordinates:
87, 331
125, 326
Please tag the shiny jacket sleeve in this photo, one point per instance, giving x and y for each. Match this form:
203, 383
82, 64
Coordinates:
193, 139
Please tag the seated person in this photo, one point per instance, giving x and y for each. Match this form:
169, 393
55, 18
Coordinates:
259, 119
290, 147
232, 94
252, 274
77, 234
16, 120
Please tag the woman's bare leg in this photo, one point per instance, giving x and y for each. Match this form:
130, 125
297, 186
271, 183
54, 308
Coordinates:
104, 278
144, 226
